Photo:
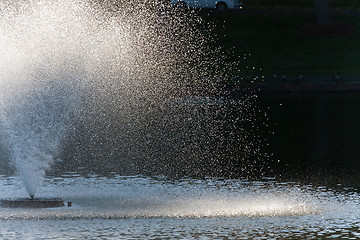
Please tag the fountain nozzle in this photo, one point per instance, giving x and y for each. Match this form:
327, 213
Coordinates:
32, 197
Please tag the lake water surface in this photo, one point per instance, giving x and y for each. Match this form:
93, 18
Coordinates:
137, 207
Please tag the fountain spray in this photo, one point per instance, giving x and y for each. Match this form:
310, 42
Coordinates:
115, 67
66, 60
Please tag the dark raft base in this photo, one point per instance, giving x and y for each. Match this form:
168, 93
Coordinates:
32, 203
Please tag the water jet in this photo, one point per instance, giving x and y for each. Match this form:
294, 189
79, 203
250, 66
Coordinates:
105, 89
94, 84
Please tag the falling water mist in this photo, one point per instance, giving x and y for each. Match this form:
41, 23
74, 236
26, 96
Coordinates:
79, 76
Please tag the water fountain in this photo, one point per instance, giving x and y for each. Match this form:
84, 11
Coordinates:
114, 106
78, 74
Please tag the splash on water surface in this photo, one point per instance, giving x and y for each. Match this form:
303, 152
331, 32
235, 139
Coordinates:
133, 197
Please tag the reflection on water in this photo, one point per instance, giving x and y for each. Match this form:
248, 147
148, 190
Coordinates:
152, 208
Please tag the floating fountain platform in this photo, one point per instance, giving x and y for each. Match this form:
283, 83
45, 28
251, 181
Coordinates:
32, 202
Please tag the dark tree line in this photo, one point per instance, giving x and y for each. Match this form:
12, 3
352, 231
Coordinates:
322, 12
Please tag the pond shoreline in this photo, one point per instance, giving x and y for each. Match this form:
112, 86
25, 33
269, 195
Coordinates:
284, 88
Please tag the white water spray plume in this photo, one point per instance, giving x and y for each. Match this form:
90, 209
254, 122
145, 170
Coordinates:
105, 66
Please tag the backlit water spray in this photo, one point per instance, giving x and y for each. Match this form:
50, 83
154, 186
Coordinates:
93, 93
79, 76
